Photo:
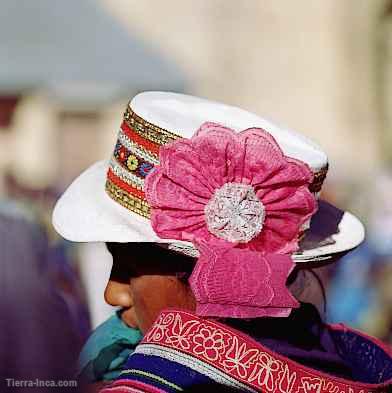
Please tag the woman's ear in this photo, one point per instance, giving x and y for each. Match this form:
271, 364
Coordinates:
296, 283
307, 287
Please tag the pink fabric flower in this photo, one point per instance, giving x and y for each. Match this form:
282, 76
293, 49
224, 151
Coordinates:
226, 188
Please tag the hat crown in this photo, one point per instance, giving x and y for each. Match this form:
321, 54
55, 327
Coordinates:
183, 114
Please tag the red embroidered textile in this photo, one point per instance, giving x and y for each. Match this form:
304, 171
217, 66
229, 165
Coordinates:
183, 351
246, 360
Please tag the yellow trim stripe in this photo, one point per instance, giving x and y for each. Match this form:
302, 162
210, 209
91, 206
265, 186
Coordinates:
152, 376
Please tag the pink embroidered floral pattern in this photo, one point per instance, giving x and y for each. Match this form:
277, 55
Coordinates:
191, 171
241, 283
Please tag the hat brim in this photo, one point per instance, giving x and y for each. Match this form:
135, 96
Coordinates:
85, 213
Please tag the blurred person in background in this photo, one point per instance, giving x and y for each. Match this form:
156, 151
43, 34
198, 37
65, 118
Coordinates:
367, 305
209, 281
40, 334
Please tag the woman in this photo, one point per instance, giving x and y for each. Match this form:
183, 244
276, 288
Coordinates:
237, 196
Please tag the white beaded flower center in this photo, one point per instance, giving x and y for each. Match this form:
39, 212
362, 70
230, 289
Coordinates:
234, 213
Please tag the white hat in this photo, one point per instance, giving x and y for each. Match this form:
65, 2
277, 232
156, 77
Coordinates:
106, 203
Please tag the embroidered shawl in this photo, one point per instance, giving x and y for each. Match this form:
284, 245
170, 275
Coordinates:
183, 352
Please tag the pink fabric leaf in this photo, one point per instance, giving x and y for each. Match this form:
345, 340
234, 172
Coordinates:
238, 283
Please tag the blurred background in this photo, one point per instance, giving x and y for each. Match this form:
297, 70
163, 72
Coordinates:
324, 68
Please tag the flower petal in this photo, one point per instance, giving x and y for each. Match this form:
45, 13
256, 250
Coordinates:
266, 164
263, 156
221, 155
181, 225
301, 203
161, 192
273, 240
284, 219
292, 174
180, 161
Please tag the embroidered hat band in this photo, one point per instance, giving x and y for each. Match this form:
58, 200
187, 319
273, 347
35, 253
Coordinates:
135, 155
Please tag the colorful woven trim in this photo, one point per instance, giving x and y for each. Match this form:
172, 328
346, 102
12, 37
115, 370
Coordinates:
135, 155
152, 377
184, 337
147, 130
131, 386
318, 180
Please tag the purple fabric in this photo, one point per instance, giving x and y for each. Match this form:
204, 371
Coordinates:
370, 361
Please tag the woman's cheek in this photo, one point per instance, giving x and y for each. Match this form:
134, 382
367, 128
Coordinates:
147, 301
152, 294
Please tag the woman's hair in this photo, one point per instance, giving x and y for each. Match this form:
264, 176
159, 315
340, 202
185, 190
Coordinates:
151, 251
153, 257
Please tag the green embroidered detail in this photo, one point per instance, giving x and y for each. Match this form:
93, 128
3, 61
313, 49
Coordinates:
153, 377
